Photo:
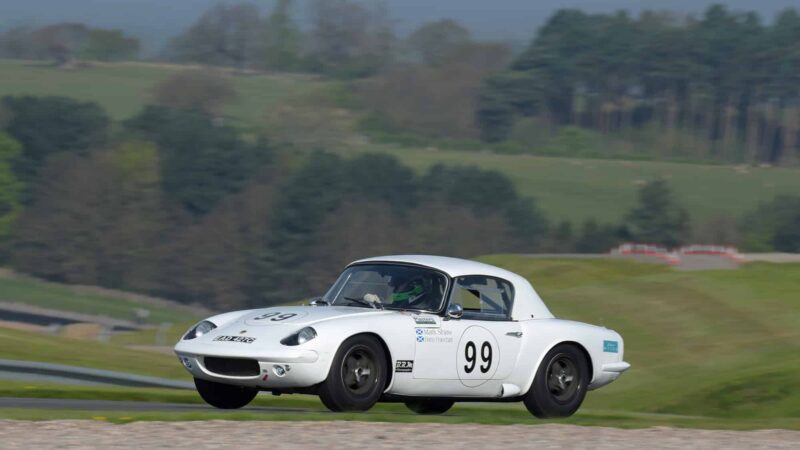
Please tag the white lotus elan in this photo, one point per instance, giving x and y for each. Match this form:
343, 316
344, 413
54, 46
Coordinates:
424, 330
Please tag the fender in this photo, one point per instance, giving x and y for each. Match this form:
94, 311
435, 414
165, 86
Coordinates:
543, 335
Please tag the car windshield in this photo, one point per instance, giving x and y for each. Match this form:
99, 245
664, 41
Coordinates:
392, 286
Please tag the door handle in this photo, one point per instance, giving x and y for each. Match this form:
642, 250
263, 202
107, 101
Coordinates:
514, 333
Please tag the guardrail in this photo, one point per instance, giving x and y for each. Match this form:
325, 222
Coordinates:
93, 375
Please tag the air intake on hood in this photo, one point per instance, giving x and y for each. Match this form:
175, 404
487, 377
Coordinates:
232, 367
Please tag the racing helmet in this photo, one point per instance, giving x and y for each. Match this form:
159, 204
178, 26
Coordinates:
409, 290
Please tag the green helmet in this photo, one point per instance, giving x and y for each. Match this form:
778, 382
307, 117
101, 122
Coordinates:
409, 291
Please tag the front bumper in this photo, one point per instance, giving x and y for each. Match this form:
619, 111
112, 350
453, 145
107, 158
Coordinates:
281, 368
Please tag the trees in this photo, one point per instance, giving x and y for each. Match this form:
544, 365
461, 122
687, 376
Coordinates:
774, 225
215, 260
488, 193
201, 162
61, 41
435, 43
281, 39
333, 209
205, 91
225, 35
436, 100
349, 38
94, 219
49, 125
10, 187
110, 45
657, 218
64, 43
597, 238
719, 84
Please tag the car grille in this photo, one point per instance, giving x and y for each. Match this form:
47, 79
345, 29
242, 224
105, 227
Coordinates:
234, 367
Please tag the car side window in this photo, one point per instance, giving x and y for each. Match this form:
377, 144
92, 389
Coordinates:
483, 297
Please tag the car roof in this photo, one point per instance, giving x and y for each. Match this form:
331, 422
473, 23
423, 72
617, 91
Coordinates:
455, 267
527, 303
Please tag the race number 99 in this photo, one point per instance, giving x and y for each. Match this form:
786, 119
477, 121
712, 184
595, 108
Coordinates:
275, 316
477, 356
471, 355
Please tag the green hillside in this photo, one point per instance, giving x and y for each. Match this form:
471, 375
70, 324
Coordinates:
716, 343
566, 188
577, 189
29, 346
122, 88
87, 300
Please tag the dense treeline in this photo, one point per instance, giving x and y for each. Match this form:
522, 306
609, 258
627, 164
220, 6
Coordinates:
725, 80
65, 43
724, 86
175, 203
345, 38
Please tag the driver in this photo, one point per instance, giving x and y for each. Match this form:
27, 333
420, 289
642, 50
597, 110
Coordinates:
412, 293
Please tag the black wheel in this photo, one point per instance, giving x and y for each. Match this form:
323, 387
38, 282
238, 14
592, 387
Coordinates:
560, 383
357, 377
429, 405
224, 396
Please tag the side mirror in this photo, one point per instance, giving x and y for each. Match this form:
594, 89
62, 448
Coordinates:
455, 311
318, 301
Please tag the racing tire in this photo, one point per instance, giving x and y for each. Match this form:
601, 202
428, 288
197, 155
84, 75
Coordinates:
224, 396
429, 405
560, 384
357, 377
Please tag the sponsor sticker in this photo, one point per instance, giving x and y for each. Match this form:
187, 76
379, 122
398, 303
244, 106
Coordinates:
424, 320
404, 366
611, 346
242, 339
433, 335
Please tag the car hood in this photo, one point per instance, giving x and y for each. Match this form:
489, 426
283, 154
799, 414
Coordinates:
265, 328
298, 316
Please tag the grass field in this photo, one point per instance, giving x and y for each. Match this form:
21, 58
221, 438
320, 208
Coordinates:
85, 300
717, 343
30, 346
577, 189
715, 349
566, 188
122, 88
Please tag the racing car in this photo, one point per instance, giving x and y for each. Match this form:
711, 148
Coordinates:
427, 331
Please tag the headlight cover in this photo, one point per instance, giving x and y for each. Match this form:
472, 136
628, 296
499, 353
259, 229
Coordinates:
301, 337
199, 330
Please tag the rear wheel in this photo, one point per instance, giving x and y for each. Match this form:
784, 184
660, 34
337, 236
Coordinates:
357, 376
224, 396
560, 383
429, 405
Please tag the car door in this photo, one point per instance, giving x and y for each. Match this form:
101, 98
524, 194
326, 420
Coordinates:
477, 349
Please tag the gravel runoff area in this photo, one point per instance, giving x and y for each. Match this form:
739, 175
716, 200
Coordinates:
217, 434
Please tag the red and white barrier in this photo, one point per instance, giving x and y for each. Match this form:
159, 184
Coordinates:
673, 257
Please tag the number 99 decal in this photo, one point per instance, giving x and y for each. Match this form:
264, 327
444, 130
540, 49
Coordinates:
478, 356
274, 318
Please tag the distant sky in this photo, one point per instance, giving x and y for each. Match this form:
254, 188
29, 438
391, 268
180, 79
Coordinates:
154, 21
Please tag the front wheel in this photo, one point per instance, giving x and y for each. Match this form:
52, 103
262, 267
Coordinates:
357, 376
429, 405
560, 383
224, 396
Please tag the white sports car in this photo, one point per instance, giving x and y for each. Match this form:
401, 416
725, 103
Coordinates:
424, 330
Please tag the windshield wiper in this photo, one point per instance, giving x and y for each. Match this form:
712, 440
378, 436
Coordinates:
361, 301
